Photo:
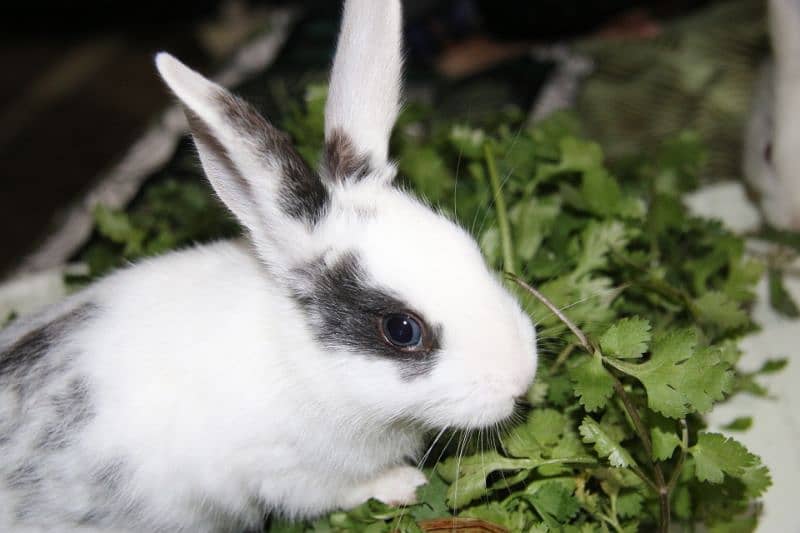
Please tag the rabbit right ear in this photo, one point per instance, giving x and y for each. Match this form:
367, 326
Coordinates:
364, 93
252, 166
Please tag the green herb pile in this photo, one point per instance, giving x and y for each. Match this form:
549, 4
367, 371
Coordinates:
612, 438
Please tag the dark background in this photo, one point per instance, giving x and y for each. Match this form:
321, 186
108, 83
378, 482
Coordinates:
79, 85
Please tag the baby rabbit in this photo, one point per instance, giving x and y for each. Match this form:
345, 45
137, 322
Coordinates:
772, 139
293, 374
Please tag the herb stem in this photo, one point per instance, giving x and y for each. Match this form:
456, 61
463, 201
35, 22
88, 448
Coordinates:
562, 357
638, 425
673, 480
660, 486
640, 473
555, 310
502, 212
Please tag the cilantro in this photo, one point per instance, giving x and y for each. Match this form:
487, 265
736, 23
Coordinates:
664, 442
716, 455
771, 366
604, 445
741, 423
628, 338
629, 504
680, 378
720, 310
779, 297
554, 503
593, 384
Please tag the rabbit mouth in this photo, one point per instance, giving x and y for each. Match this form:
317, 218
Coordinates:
487, 415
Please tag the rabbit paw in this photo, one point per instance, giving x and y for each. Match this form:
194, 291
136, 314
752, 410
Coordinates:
396, 486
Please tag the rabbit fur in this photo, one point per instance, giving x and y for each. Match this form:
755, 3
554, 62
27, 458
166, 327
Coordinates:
771, 161
201, 390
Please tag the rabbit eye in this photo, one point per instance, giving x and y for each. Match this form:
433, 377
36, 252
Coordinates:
402, 330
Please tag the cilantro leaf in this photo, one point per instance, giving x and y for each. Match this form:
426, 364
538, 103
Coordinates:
554, 503
597, 240
679, 378
627, 338
740, 423
432, 498
629, 504
719, 309
604, 445
592, 383
756, 480
664, 443
779, 297
771, 366
716, 455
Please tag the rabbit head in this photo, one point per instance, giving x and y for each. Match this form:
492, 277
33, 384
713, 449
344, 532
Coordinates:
409, 321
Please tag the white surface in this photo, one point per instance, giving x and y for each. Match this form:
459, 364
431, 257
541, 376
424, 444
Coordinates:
776, 420
726, 201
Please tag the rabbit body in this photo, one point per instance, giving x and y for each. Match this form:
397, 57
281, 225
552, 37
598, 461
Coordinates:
169, 413
294, 372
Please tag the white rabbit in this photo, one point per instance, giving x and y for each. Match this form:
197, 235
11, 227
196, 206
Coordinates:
295, 373
772, 139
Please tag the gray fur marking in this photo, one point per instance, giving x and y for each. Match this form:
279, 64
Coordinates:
302, 194
47, 404
341, 161
72, 410
346, 310
31, 347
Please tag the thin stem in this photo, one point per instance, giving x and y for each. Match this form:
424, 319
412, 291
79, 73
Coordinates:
649, 482
673, 480
638, 425
555, 310
562, 357
502, 212
660, 486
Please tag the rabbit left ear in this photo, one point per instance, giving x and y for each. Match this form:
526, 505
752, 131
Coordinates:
252, 166
364, 94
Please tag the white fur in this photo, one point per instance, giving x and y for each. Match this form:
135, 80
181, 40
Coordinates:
775, 120
207, 385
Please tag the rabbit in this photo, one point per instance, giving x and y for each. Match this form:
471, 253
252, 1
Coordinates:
293, 372
771, 161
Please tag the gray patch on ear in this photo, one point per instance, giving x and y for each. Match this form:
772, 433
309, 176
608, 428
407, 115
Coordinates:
346, 312
302, 194
341, 162
202, 135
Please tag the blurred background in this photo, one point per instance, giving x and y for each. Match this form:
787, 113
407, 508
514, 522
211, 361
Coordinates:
79, 87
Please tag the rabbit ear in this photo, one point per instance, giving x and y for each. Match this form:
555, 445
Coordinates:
784, 17
784, 20
364, 93
251, 165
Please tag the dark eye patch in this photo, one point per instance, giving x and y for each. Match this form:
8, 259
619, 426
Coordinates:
347, 312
